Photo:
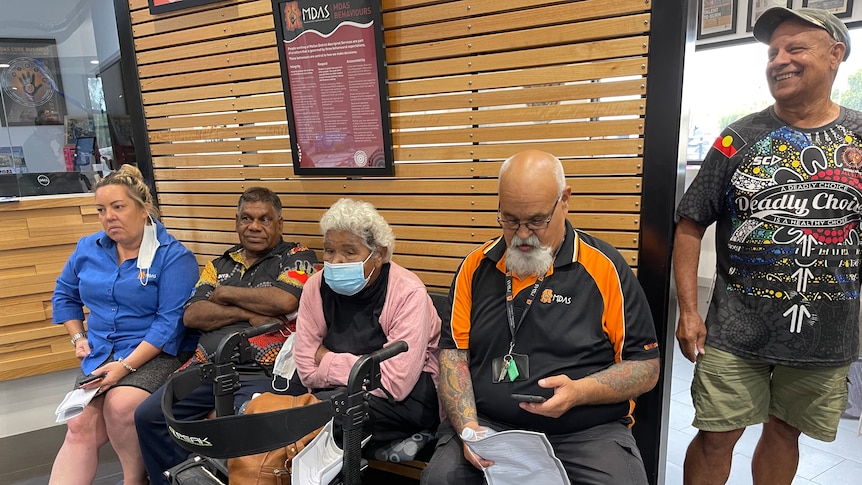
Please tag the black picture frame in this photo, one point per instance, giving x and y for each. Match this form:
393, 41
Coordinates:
161, 6
757, 7
30, 83
839, 8
335, 89
716, 18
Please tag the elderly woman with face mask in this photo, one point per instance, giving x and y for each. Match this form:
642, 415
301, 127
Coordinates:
359, 303
134, 278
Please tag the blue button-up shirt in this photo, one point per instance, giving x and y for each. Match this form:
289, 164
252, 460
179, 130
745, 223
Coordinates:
127, 305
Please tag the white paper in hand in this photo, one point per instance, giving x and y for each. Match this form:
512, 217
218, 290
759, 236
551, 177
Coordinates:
74, 403
519, 457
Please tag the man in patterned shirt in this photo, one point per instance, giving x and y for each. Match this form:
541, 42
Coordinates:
783, 187
254, 282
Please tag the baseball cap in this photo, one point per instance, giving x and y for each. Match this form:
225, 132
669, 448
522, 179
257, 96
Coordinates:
772, 18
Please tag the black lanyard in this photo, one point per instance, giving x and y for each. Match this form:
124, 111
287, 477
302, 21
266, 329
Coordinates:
510, 305
510, 298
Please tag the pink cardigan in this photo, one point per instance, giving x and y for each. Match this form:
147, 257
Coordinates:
408, 314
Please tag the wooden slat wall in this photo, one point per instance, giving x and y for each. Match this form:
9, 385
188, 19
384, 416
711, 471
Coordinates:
458, 76
470, 83
38, 236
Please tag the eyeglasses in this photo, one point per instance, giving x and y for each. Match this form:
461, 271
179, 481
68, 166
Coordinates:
533, 225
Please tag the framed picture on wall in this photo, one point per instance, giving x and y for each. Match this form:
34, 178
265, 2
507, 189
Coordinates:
30, 83
79, 127
716, 18
159, 6
757, 7
840, 8
334, 77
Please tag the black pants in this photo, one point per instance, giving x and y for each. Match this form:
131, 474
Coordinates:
159, 450
389, 421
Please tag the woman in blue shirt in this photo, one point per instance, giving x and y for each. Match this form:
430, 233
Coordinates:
134, 278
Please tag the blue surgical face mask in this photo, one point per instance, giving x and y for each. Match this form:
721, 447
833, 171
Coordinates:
346, 278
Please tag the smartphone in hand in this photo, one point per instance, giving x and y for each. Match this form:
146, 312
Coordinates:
92, 377
528, 398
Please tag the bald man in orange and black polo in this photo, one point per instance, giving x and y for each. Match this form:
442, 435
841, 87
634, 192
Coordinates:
548, 310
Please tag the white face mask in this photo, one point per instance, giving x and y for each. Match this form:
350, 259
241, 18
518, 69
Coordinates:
285, 365
346, 278
147, 251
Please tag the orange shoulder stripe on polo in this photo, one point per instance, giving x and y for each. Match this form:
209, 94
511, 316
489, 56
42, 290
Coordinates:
605, 274
462, 302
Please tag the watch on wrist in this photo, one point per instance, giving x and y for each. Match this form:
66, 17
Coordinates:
78, 336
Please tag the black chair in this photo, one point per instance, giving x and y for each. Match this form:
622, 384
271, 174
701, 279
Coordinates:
413, 468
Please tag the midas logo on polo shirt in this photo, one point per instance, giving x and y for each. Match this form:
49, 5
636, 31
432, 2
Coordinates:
548, 296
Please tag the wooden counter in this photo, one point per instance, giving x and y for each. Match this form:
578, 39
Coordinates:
37, 235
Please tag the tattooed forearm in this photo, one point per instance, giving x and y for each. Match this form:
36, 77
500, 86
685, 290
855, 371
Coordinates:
629, 378
456, 387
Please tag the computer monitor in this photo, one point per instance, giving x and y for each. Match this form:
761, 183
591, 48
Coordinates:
85, 153
50, 183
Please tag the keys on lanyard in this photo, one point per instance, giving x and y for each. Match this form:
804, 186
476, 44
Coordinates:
512, 369
509, 366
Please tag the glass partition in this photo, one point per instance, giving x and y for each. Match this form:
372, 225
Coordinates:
63, 116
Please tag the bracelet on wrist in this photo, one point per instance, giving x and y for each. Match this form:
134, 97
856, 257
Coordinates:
126, 365
78, 336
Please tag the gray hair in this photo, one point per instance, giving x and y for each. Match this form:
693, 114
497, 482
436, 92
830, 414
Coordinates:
361, 219
556, 168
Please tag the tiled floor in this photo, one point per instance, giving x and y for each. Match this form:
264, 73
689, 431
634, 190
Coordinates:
835, 463
26, 459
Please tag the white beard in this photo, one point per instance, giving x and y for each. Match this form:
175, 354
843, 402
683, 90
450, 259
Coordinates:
535, 262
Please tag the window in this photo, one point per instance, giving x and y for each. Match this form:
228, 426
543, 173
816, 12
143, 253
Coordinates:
726, 83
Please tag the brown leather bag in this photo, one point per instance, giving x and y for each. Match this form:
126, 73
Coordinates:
272, 467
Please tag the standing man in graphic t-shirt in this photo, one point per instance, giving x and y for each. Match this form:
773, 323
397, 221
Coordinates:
783, 187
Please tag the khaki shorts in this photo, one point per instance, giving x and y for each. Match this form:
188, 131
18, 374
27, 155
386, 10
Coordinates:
731, 393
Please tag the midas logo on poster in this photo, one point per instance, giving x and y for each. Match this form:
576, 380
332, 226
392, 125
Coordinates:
314, 14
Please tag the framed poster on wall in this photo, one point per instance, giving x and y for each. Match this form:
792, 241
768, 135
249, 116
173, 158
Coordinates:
757, 7
716, 18
32, 93
79, 127
334, 76
839, 8
159, 6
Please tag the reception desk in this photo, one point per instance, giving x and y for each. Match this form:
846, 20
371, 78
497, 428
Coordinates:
38, 234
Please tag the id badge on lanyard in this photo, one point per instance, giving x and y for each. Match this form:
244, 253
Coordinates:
512, 366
